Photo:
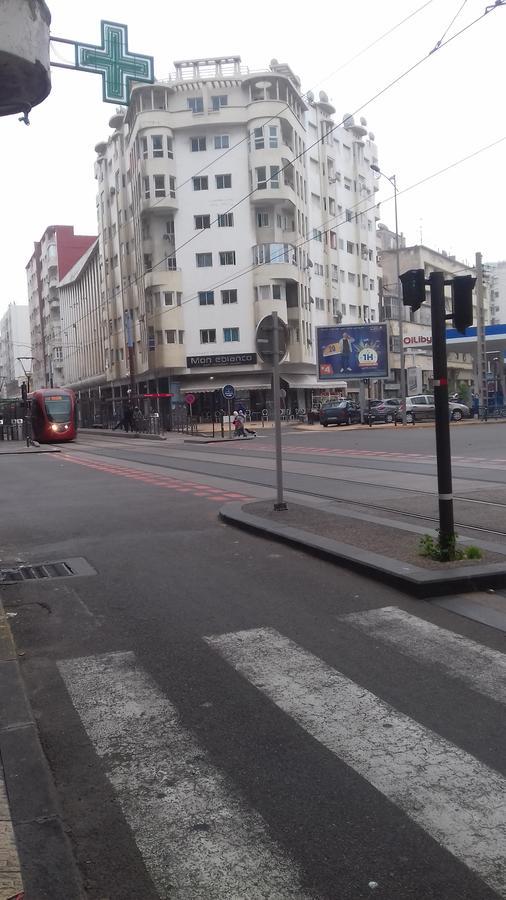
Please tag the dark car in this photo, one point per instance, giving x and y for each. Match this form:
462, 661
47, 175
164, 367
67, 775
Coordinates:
384, 410
341, 412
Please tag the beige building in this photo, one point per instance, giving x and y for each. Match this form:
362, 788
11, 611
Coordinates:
81, 322
417, 325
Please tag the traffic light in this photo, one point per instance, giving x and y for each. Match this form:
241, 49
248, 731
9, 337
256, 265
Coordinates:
462, 301
413, 288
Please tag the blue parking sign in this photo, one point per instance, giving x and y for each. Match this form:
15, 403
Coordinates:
228, 392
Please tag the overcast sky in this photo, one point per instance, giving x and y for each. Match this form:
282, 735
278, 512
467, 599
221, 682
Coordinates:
452, 105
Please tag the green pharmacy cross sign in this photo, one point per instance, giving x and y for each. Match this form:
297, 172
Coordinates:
113, 61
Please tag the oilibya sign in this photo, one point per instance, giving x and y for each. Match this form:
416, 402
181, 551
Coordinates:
418, 340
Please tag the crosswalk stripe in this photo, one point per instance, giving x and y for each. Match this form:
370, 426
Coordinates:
459, 801
196, 835
478, 666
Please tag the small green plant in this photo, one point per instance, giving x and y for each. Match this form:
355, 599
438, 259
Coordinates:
433, 548
473, 552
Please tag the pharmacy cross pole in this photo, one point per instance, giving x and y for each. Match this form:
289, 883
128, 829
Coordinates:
118, 67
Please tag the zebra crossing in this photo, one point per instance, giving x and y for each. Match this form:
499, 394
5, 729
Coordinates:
200, 838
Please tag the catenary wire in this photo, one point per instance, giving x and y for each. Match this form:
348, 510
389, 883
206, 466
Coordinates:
322, 227
280, 171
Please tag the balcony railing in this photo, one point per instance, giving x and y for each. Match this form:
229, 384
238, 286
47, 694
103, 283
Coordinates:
274, 253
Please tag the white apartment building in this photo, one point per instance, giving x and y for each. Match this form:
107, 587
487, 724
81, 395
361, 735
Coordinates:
81, 321
496, 272
53, 256
224, 194
15, 349
417, 329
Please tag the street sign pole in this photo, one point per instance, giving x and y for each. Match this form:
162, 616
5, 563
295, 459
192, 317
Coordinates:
229, 422
443, 449
280, 504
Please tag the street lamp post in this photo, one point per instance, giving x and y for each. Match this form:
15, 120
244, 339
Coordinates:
393, 181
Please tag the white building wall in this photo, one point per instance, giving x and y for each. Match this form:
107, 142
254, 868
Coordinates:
305, 246
497, 291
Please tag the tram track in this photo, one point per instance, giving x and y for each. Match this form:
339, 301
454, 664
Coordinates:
203, 469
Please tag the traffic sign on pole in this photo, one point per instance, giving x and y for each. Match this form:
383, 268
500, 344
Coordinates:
265, 339
228, 392
190, 399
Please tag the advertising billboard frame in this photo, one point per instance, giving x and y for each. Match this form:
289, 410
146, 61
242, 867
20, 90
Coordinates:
352, 351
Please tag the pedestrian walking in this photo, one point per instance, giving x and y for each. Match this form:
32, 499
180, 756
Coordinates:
242, 419
238, 423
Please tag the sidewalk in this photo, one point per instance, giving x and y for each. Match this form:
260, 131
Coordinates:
345, 536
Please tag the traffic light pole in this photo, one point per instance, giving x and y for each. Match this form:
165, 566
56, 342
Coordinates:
443, 449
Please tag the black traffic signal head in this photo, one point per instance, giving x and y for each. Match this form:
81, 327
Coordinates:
413, 288
462, 299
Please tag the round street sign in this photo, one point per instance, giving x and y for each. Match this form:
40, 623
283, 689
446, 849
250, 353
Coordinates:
190, 399
228, 391
265, 339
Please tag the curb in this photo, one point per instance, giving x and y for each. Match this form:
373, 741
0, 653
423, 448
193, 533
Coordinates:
129, 435
29, 451
48, 868
421, 583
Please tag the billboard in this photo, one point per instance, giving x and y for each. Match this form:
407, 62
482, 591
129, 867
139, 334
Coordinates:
352, 351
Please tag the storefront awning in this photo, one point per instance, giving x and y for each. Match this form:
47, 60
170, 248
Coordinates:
310, 382
207, 386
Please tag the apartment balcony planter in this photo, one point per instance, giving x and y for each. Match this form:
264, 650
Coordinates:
24, 55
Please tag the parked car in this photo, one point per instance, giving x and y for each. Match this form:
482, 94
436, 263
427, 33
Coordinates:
384, 410
341, 412
422, 407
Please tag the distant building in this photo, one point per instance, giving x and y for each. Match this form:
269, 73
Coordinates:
82, 331
56, 252
417, 330
14, 344
497, 286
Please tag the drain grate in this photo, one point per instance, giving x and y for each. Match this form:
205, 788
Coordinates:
66, 568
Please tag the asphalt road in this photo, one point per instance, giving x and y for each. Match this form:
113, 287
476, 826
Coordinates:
218, 720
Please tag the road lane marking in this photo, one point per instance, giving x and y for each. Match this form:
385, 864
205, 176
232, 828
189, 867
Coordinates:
196, 835
478, 666
460, 802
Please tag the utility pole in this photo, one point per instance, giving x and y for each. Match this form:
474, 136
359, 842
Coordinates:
481, 350
280, 502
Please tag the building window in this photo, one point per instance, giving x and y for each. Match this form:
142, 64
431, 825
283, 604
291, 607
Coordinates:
263, 219
159, 185
148, 262
261, 178
202, 222
208, 336
221, 142
276, 292
274, 179
342, 275
349, 215
351, 278
151, 338
204, 259
197, 144
168, 298
206, 298
157, 145
171, 264
172, 186
223, 181
147, 193
144, 147
364, 283
196, 104
230, 334
170, 148
219, 101
371, 284
159, 337
170, 336
273, 137
226, 220
333, 240
229, 296
200, 183
227, 258
258, 137
349, 246
146, 233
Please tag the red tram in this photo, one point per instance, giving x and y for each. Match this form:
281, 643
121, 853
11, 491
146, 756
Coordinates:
53, 415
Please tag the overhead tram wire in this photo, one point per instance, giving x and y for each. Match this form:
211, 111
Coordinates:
314, 144
322, 227
441, 39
